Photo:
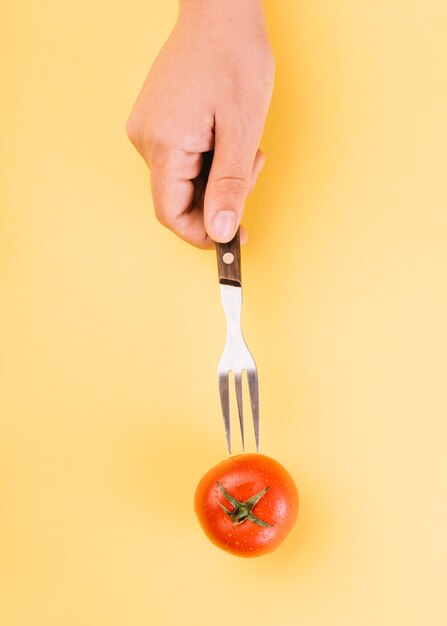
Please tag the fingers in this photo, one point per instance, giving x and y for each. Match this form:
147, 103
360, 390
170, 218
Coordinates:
173, 193
178, 194
243, 236
257, 167
235, 164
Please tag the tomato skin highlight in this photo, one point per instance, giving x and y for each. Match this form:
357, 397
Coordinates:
243, 476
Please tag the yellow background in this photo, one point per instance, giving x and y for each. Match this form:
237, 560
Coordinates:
111, 327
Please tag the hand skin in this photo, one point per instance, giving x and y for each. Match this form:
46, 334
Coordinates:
209, 89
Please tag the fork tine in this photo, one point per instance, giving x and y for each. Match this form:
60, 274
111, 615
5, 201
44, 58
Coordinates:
253, 388
225, 402
240, 408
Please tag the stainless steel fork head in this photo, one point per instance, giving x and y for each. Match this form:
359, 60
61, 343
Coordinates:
236, 358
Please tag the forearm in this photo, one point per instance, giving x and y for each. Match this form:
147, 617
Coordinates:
240, 5
236, 12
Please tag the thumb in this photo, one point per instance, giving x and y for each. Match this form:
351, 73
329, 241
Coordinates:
228, 187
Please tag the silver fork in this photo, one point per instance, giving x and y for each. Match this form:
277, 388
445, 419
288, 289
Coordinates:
236, 356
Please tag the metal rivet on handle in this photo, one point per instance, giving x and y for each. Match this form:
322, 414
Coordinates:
228, 258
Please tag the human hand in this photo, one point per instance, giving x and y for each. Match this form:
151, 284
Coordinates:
209, 89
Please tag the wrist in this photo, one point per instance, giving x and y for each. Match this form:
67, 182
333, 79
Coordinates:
232, 20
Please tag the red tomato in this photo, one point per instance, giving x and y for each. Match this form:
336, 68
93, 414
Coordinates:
247, 504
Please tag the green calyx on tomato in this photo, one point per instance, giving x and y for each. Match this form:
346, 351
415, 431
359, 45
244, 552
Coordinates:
243, 511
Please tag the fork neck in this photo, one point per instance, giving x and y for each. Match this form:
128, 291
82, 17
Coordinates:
232, 306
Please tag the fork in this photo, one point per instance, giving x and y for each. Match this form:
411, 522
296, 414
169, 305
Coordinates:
236, 356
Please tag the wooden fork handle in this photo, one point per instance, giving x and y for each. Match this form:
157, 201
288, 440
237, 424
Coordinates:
228, 254
229, 261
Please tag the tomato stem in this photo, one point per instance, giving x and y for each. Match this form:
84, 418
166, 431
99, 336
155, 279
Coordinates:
243, 511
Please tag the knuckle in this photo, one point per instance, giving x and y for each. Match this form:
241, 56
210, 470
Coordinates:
161, 217
160, 150
165, 218
232, 188
133, 130
142, 133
